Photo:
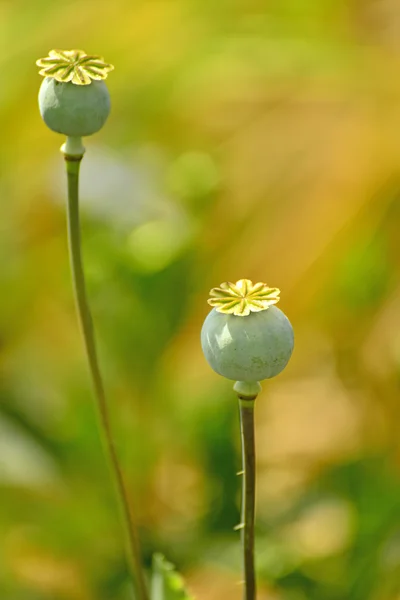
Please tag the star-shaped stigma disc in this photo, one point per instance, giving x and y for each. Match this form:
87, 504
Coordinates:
74, 66
243, 297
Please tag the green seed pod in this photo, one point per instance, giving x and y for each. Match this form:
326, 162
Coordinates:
244, 337
73, 99
72, 110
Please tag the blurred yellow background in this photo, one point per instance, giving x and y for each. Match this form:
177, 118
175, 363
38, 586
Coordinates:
248, 138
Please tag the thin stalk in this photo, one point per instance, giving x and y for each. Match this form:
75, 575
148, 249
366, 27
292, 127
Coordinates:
246, 408
85, 320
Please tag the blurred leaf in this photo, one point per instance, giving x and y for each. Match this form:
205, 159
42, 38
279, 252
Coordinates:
166, 583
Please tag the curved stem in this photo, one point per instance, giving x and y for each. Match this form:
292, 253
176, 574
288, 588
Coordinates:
74, 239
246, 408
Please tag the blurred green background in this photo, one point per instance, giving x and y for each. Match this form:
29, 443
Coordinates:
247, 139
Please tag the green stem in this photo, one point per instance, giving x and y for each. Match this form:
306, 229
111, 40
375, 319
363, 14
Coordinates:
246, 408
74, 239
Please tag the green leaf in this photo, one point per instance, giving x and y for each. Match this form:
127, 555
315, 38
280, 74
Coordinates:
166, 583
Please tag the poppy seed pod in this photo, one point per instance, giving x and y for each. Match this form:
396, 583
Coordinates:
244, 337
73, 99
72, 110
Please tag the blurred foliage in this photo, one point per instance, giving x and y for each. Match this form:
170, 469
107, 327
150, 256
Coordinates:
166, 583
247, 139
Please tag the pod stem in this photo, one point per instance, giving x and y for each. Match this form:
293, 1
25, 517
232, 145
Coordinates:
246, 409
133, 554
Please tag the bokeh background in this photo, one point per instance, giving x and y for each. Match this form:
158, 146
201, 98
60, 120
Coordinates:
248, 138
